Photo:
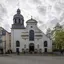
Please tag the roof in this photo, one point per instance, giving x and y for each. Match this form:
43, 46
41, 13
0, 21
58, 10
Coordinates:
18, 14
4, 29
31, 21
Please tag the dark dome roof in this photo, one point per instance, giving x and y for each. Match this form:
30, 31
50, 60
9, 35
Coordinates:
18, 15
31, 21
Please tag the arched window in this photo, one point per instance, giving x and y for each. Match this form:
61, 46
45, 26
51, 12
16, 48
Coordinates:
31, 35
17, 44
45, 44
19, 20
15, 20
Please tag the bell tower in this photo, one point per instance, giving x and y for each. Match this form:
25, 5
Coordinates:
18, 20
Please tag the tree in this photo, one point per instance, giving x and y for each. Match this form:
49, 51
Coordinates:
59, 39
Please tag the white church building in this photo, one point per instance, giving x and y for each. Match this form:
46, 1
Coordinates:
29, 38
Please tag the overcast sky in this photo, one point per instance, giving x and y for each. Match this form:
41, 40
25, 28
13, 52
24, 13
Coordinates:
46, 12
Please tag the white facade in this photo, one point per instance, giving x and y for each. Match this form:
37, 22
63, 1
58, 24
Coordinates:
23, 36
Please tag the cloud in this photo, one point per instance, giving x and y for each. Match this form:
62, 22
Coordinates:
3, 12
3, 15
46, 12
38, 20
54, 21
58, 9
43, 27
62, 17
36, 1
41, 10
12, 2
7, 27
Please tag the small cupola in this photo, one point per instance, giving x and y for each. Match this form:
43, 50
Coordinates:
18, 11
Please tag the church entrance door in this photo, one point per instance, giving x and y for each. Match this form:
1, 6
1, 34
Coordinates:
31, 47
17, 51
45, 50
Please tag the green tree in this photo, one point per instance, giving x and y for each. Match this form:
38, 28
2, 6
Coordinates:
59, 39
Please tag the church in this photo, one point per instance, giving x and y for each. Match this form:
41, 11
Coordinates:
29, 38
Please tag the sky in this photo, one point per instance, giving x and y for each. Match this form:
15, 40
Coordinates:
47, 12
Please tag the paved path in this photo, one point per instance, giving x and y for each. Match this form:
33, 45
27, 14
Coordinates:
31, 60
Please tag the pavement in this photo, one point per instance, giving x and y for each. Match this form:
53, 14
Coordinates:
18, 59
